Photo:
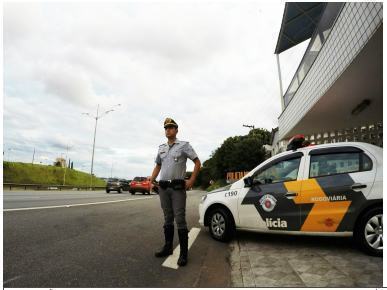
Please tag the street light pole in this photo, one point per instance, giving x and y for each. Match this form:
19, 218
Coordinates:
9, 154
92, 156
95, 133
65, 169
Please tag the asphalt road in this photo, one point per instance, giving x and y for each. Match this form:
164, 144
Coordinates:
101, 245
69, 242
26, 199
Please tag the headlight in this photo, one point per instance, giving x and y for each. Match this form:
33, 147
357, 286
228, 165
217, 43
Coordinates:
204, 198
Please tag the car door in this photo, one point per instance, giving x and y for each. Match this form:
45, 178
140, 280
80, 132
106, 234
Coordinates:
268, 203
339, 180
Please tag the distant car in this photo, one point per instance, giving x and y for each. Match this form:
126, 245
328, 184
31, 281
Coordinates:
115, 184
143, 185
125, 184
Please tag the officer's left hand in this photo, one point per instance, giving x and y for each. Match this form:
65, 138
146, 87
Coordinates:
188, 184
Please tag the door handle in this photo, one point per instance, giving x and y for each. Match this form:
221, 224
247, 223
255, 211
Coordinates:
358, 186
291, 194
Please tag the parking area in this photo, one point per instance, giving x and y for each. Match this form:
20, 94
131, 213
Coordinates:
264, 260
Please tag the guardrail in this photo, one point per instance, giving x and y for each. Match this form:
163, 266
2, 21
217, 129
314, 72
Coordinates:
49, 186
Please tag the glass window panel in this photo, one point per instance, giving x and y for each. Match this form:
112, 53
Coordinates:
286, 170
329, 164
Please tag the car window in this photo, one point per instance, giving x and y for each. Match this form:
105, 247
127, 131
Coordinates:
337, 163
285, 170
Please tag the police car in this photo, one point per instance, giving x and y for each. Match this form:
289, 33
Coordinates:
329, 189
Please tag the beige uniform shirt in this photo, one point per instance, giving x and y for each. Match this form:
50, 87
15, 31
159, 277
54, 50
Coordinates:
173, 159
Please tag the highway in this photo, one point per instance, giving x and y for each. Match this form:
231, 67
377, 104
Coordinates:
61, 239
75, 240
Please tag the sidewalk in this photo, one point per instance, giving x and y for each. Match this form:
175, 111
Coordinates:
262, 260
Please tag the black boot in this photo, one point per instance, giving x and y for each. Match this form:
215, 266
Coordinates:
183, 239
168, 246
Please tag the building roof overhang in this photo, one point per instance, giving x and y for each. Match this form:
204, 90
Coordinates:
298, 23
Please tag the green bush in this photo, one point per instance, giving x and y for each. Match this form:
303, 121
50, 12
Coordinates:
238, 153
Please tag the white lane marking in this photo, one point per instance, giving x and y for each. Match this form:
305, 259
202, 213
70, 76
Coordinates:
12, 279
71, 205
171, 261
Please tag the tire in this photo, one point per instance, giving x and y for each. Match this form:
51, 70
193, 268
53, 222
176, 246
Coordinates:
221, 225
119, 190
143, 192
107, 190
132, 192
371, 225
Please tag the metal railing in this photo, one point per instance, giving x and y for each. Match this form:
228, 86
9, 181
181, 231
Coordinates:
50, 186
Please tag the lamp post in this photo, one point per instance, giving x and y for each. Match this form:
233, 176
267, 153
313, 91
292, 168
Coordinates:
9, 154
65, 169
96, 117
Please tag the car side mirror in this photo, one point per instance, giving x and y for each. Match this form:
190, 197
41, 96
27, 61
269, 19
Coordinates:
248, 181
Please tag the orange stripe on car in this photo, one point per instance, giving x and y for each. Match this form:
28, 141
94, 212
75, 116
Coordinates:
325, 215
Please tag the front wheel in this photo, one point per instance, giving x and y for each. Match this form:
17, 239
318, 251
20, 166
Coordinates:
107, 191
221, 225
369, 232
119, 190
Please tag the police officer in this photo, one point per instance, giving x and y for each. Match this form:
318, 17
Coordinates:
171, 164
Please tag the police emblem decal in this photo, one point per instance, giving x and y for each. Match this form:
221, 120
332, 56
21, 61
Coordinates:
268, 202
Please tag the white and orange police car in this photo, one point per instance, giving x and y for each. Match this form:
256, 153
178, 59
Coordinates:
329, 189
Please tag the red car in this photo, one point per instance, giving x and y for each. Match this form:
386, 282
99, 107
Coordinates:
143, 185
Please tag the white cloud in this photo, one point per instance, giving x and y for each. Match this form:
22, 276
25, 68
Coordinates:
210, 66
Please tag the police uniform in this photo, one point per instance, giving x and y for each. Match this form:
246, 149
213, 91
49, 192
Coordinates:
173, 158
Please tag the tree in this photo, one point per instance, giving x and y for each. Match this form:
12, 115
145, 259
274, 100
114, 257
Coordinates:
238, 153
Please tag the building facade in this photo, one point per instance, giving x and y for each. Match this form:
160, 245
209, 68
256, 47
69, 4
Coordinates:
336, 94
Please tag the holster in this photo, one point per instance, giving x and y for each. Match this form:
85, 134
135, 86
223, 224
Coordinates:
164, 184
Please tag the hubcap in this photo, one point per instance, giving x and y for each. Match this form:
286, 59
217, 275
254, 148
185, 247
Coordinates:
374, 232
218, 224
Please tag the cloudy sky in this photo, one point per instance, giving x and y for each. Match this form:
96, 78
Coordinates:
209, 65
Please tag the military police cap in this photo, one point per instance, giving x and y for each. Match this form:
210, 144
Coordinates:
170, 122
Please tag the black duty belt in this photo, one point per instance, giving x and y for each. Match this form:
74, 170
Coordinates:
174, 184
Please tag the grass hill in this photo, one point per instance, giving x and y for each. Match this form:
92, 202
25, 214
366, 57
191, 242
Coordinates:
27, 173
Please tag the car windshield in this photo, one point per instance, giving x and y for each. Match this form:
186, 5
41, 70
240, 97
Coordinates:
139, 179
113, 180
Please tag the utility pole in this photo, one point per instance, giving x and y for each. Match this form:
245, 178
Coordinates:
249, 126
33, 156
64, 175
95, 133
9, 154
